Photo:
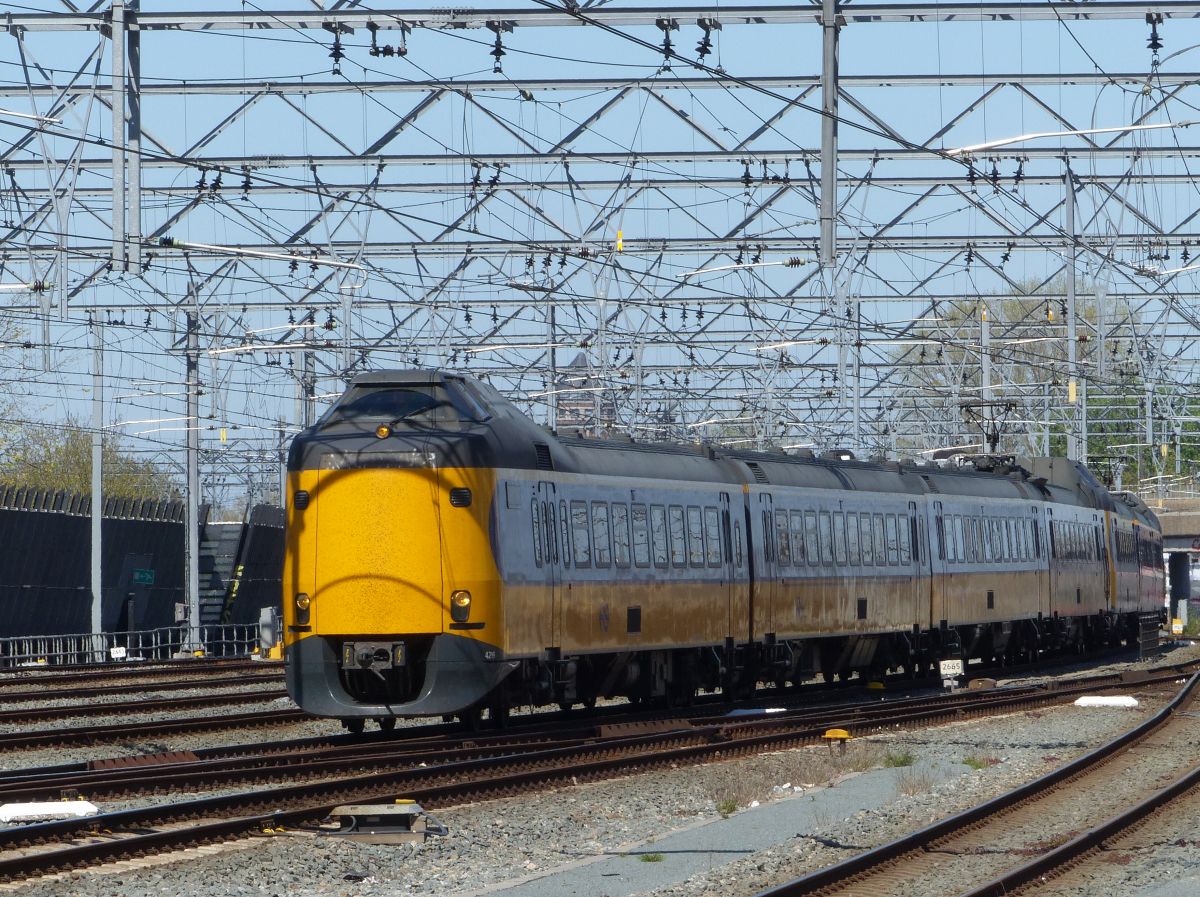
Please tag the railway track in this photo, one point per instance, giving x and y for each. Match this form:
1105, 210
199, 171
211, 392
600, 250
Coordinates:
470, 769
140, 707
1120, 775
41, 693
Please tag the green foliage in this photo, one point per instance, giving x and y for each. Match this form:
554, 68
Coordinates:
979, 762
895, 759
60, 458
726, 806
650, 857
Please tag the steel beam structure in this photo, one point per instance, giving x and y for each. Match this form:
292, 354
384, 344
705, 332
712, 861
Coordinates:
731, 252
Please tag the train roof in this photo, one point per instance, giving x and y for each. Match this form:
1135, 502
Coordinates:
519, 442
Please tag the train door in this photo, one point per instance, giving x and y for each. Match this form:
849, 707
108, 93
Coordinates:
1041, 550
761, 523
937, 565
552, 552
1100, 534
910, 554
737, 595
1053, 580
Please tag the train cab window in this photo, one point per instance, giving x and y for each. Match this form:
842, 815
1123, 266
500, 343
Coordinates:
839, 538
712, 537
905, 556
658, 535
602, 546
620, 533
811, 544
852, 539
826, 531
641, 536
538, 537
782, 540
678, 537
564, 528
581, 534
796, 518
695, 531
880, 542
867, 542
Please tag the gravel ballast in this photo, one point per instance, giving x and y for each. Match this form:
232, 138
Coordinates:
505, 844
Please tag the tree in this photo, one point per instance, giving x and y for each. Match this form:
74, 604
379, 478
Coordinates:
60, 458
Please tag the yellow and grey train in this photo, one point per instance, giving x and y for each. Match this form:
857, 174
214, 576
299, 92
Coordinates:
446, 554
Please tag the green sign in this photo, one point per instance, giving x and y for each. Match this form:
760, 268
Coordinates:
143, 577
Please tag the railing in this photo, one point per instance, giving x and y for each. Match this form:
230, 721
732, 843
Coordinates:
225, 640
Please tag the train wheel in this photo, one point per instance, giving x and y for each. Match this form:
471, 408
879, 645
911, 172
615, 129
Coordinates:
386, 723
354, 726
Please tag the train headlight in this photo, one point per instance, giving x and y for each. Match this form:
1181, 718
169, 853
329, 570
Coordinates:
383, 431
460, 606
302, 604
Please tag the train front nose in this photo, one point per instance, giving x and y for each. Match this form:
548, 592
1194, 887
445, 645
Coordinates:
378, 562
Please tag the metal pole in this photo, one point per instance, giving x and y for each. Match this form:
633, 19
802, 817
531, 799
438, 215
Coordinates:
194, 641
552, 389
118, 133
829, 108
985, 355
1073, 449
858, 440
133, 250
97, 484
308, 379
283, 452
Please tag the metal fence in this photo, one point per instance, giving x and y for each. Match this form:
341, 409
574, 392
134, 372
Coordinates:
225, 640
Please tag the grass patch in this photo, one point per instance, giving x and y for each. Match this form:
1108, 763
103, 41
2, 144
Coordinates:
979, 762
895, 759
912, 782
650, 857
806, 767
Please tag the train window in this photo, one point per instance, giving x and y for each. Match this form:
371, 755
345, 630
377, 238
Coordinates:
893, 546
620, 533
880, 542
960, 539
1037, 539
658, 534
602, 547
581, 535
678, 536
868, 550
695, 531
727, 536
839, 538
905, 556
811, 548
782, 541
712, 537
737, 543
768, 545
852, 539
826, 539
564, 527
551, 532
796, 518
537, 533
641, 536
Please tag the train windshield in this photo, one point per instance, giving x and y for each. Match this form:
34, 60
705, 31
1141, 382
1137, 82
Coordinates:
428, 406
